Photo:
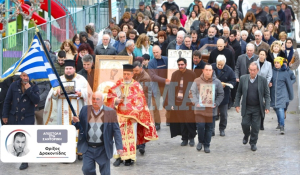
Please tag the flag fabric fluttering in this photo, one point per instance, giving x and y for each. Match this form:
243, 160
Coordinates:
35, 64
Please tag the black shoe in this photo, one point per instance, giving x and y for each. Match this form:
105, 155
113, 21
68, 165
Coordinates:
213, 133
245, 140
222, 133
79, 157
199, 146
206, 149
192, 142
217, 117
157, 126
184, 142
118, 162
253, 147
278, 127
128, 162
23, 166
262, 127
142, 151
281, 129
167, 124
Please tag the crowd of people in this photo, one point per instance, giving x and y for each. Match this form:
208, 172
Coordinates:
250, 63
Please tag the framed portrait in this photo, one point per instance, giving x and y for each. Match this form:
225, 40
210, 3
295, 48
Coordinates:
69, 86
173, 56
207, 95
108, 70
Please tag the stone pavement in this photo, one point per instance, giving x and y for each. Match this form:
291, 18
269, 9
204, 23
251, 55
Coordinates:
276, 154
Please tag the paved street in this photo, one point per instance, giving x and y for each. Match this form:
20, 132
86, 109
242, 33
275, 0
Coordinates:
276, 154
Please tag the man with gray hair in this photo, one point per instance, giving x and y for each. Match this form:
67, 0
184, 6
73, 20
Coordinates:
254, 106
105, 48
88, 72
120, 44
187, 44
100, 36
226, 32
259, 43
227, 77
175, 44
244, 61
128, 50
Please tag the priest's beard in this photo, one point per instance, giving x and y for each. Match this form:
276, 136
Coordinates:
69, 77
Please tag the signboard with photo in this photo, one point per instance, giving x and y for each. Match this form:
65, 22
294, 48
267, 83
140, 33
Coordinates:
173, 56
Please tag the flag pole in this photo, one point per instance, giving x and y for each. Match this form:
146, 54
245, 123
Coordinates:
52, 65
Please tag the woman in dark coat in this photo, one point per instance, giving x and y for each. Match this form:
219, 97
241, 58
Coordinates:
281, 90
162, 42
83, 49
143, 27
83, 36
162, 21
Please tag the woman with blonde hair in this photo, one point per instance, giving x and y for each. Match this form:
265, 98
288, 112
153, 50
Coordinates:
143, 46
225, 16
249, 20
271, 27
275, 51
69, 48
282, 37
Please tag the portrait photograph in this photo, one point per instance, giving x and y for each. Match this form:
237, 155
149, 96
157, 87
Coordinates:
18, 144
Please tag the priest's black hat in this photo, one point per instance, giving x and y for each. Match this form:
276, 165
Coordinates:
70, 63
128, 67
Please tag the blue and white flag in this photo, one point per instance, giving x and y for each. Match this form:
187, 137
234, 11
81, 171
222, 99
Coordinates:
35, 64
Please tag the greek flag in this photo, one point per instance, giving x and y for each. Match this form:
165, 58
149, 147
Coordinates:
35, 63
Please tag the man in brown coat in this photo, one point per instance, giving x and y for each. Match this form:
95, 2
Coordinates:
141, 76
259, 43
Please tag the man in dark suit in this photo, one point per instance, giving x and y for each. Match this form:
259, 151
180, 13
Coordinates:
210, 39
198, 63
105, 48
254, 106
100, 121
128, 51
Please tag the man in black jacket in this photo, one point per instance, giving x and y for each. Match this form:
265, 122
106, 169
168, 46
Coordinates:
221, 50
198, 63
88, 72
234, 44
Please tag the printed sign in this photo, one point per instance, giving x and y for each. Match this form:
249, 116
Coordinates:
38, 143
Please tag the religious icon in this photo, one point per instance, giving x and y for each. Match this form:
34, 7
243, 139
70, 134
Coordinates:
69, 87
207, 95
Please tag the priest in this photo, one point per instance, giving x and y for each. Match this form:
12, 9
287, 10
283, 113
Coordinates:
136, 124
57, 110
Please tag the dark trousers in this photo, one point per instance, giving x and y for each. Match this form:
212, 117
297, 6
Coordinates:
93, 155
204, 128
252, 119
223, 117
188, 131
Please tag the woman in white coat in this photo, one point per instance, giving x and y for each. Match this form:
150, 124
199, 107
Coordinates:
265, 70
189, 22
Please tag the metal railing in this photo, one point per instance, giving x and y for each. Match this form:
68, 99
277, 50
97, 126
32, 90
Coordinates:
13, 47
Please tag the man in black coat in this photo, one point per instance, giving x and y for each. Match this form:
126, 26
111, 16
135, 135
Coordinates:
4, 85
234, 44
226, 75
19, 105
261, 14
168, 4
182, 118
221, 50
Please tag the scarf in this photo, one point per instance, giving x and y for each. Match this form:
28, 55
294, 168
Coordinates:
291, 54
77, 45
